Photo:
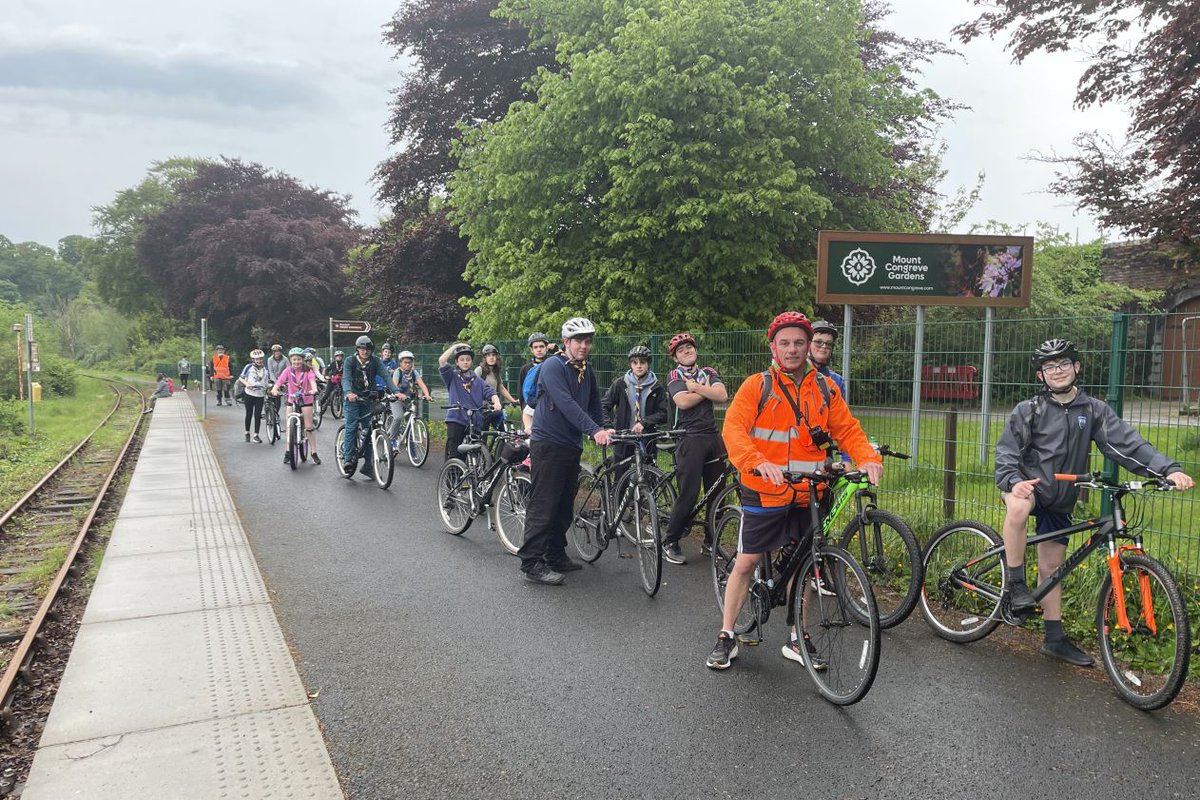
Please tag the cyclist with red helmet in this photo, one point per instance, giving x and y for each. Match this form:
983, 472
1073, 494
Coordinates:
1053, 432
700, 456
790, 423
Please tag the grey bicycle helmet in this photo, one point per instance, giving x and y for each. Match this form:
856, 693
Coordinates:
1052, 349
489, 348
386, 346
461, 349
821, 326
640, 351
538, 337
364, 341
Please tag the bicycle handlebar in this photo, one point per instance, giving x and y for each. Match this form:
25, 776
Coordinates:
1096, 480
886, 450
818, 477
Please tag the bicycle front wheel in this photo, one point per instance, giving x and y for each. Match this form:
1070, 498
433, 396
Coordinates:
1149, 662
588, 518
454, 497
887, 549
828, 596
961, 589
508, 512
381, 450
293, 440
646, 537
337, 454
272, 422
418, 442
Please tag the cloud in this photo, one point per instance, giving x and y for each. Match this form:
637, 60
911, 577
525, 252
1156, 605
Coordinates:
77, 72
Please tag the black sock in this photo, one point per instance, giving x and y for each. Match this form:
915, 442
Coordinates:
1014, 575
1054, 630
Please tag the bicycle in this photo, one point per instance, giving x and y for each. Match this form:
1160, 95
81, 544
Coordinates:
607, 507
1143, 623
371, 443
705, 511
319, 404
271, 417
468, 485
297, 441
413, 437
836, 612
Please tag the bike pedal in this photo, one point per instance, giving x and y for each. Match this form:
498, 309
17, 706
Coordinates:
748, 640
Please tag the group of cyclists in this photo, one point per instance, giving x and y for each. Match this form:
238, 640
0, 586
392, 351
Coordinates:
791, 417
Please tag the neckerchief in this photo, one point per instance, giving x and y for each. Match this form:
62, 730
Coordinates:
635, 390
692, 373
580, 367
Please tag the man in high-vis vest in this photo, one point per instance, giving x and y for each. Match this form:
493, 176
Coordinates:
786, 418
220, 375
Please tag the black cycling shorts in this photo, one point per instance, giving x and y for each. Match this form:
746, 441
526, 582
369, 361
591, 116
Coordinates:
765, 530
1048, 521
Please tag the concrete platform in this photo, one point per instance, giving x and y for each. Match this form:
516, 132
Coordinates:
180, 683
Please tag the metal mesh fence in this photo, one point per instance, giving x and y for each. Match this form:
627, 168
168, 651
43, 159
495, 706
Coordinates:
1133, 361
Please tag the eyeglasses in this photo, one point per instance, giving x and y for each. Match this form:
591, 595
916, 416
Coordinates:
1057, 366
822, 343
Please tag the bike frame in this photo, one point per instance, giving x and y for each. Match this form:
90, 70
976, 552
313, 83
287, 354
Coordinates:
1106, 532
481, 482
604, 476
696, 514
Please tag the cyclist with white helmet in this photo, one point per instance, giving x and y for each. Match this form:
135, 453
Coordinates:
408, 379
254, 380
466, 389
298, 383
1053, 432
568, 409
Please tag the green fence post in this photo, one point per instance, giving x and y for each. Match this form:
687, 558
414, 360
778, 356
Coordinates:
1116, 390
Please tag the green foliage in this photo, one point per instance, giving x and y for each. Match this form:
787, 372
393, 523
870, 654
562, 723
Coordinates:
12, 420
58, 376
684, 148
143, 356
34, 274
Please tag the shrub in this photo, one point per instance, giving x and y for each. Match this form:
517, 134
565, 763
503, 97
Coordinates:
58, 375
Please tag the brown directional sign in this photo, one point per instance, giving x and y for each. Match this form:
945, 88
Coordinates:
350, 326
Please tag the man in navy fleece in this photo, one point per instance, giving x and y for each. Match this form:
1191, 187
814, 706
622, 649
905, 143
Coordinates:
568, 409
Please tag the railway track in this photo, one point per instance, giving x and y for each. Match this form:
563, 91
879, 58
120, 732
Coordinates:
44, 532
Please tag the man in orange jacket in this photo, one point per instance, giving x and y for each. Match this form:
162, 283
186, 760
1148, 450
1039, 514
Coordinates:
789, 431
219, 370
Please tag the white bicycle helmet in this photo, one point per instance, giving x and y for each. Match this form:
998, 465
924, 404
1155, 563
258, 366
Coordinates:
406, 354
578, 326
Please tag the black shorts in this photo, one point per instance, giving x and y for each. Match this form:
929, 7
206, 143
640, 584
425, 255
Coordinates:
765, 530
1048, 521
299, 405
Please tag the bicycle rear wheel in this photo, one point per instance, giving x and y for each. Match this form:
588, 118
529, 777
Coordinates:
338, 438
272, 422
588, 517
418, 442
335, 402
724, 554
318, 411
664, 491
955, 572
454, 497
1149, 663
845, 644
887, 549
728, 498
508, 512
384, 465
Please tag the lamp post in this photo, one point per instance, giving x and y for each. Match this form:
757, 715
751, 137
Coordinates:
1184, 408
17, 328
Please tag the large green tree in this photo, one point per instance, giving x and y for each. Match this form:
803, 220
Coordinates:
35, 274
675, 170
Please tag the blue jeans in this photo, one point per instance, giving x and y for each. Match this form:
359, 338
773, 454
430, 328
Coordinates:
354, 411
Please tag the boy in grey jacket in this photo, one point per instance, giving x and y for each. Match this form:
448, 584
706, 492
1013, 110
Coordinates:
1050, 433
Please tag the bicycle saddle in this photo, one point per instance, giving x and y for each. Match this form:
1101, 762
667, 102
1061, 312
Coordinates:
467, 447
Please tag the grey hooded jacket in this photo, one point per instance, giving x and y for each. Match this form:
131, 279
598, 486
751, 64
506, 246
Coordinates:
1043, 437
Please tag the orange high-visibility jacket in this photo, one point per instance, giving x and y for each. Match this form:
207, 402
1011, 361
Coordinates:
774, 435
220, 366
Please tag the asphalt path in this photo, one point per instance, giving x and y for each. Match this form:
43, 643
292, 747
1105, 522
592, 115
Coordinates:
441, 674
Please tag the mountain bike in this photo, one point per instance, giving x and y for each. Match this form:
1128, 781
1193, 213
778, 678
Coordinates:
617, 501
371, 443
297, 442
1145, 639
715, 500
413, 437
825, 590
271, 416
477, 481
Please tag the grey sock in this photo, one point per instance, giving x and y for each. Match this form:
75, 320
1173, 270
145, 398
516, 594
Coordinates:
1014, 575
1054, 630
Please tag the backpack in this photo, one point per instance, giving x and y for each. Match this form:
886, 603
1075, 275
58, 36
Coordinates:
768, 386
529, 387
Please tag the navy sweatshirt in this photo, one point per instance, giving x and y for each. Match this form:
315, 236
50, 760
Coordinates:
568, 409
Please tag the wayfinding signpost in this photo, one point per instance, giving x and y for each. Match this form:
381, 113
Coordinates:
913, 269
346, 326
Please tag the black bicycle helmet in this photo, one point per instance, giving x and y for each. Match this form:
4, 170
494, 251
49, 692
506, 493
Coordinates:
821, 326
364, 341
489, 348
460, 350
640, 351
538, 337
386, 346
1052, 349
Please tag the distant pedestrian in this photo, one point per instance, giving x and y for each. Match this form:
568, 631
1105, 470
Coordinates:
161, 389
184, 368
254, 380
219, 371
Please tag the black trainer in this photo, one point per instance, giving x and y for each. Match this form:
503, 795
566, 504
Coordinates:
544, 575
1021, 599
316, 458
725, 652
673, 553
563, 563
1066, 650
287, 456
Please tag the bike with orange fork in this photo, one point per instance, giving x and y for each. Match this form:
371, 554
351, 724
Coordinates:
1141, 617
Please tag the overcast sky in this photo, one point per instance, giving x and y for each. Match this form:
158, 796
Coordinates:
91, 93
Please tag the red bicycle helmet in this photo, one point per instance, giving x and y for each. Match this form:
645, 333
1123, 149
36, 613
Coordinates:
789, 319
678, 339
